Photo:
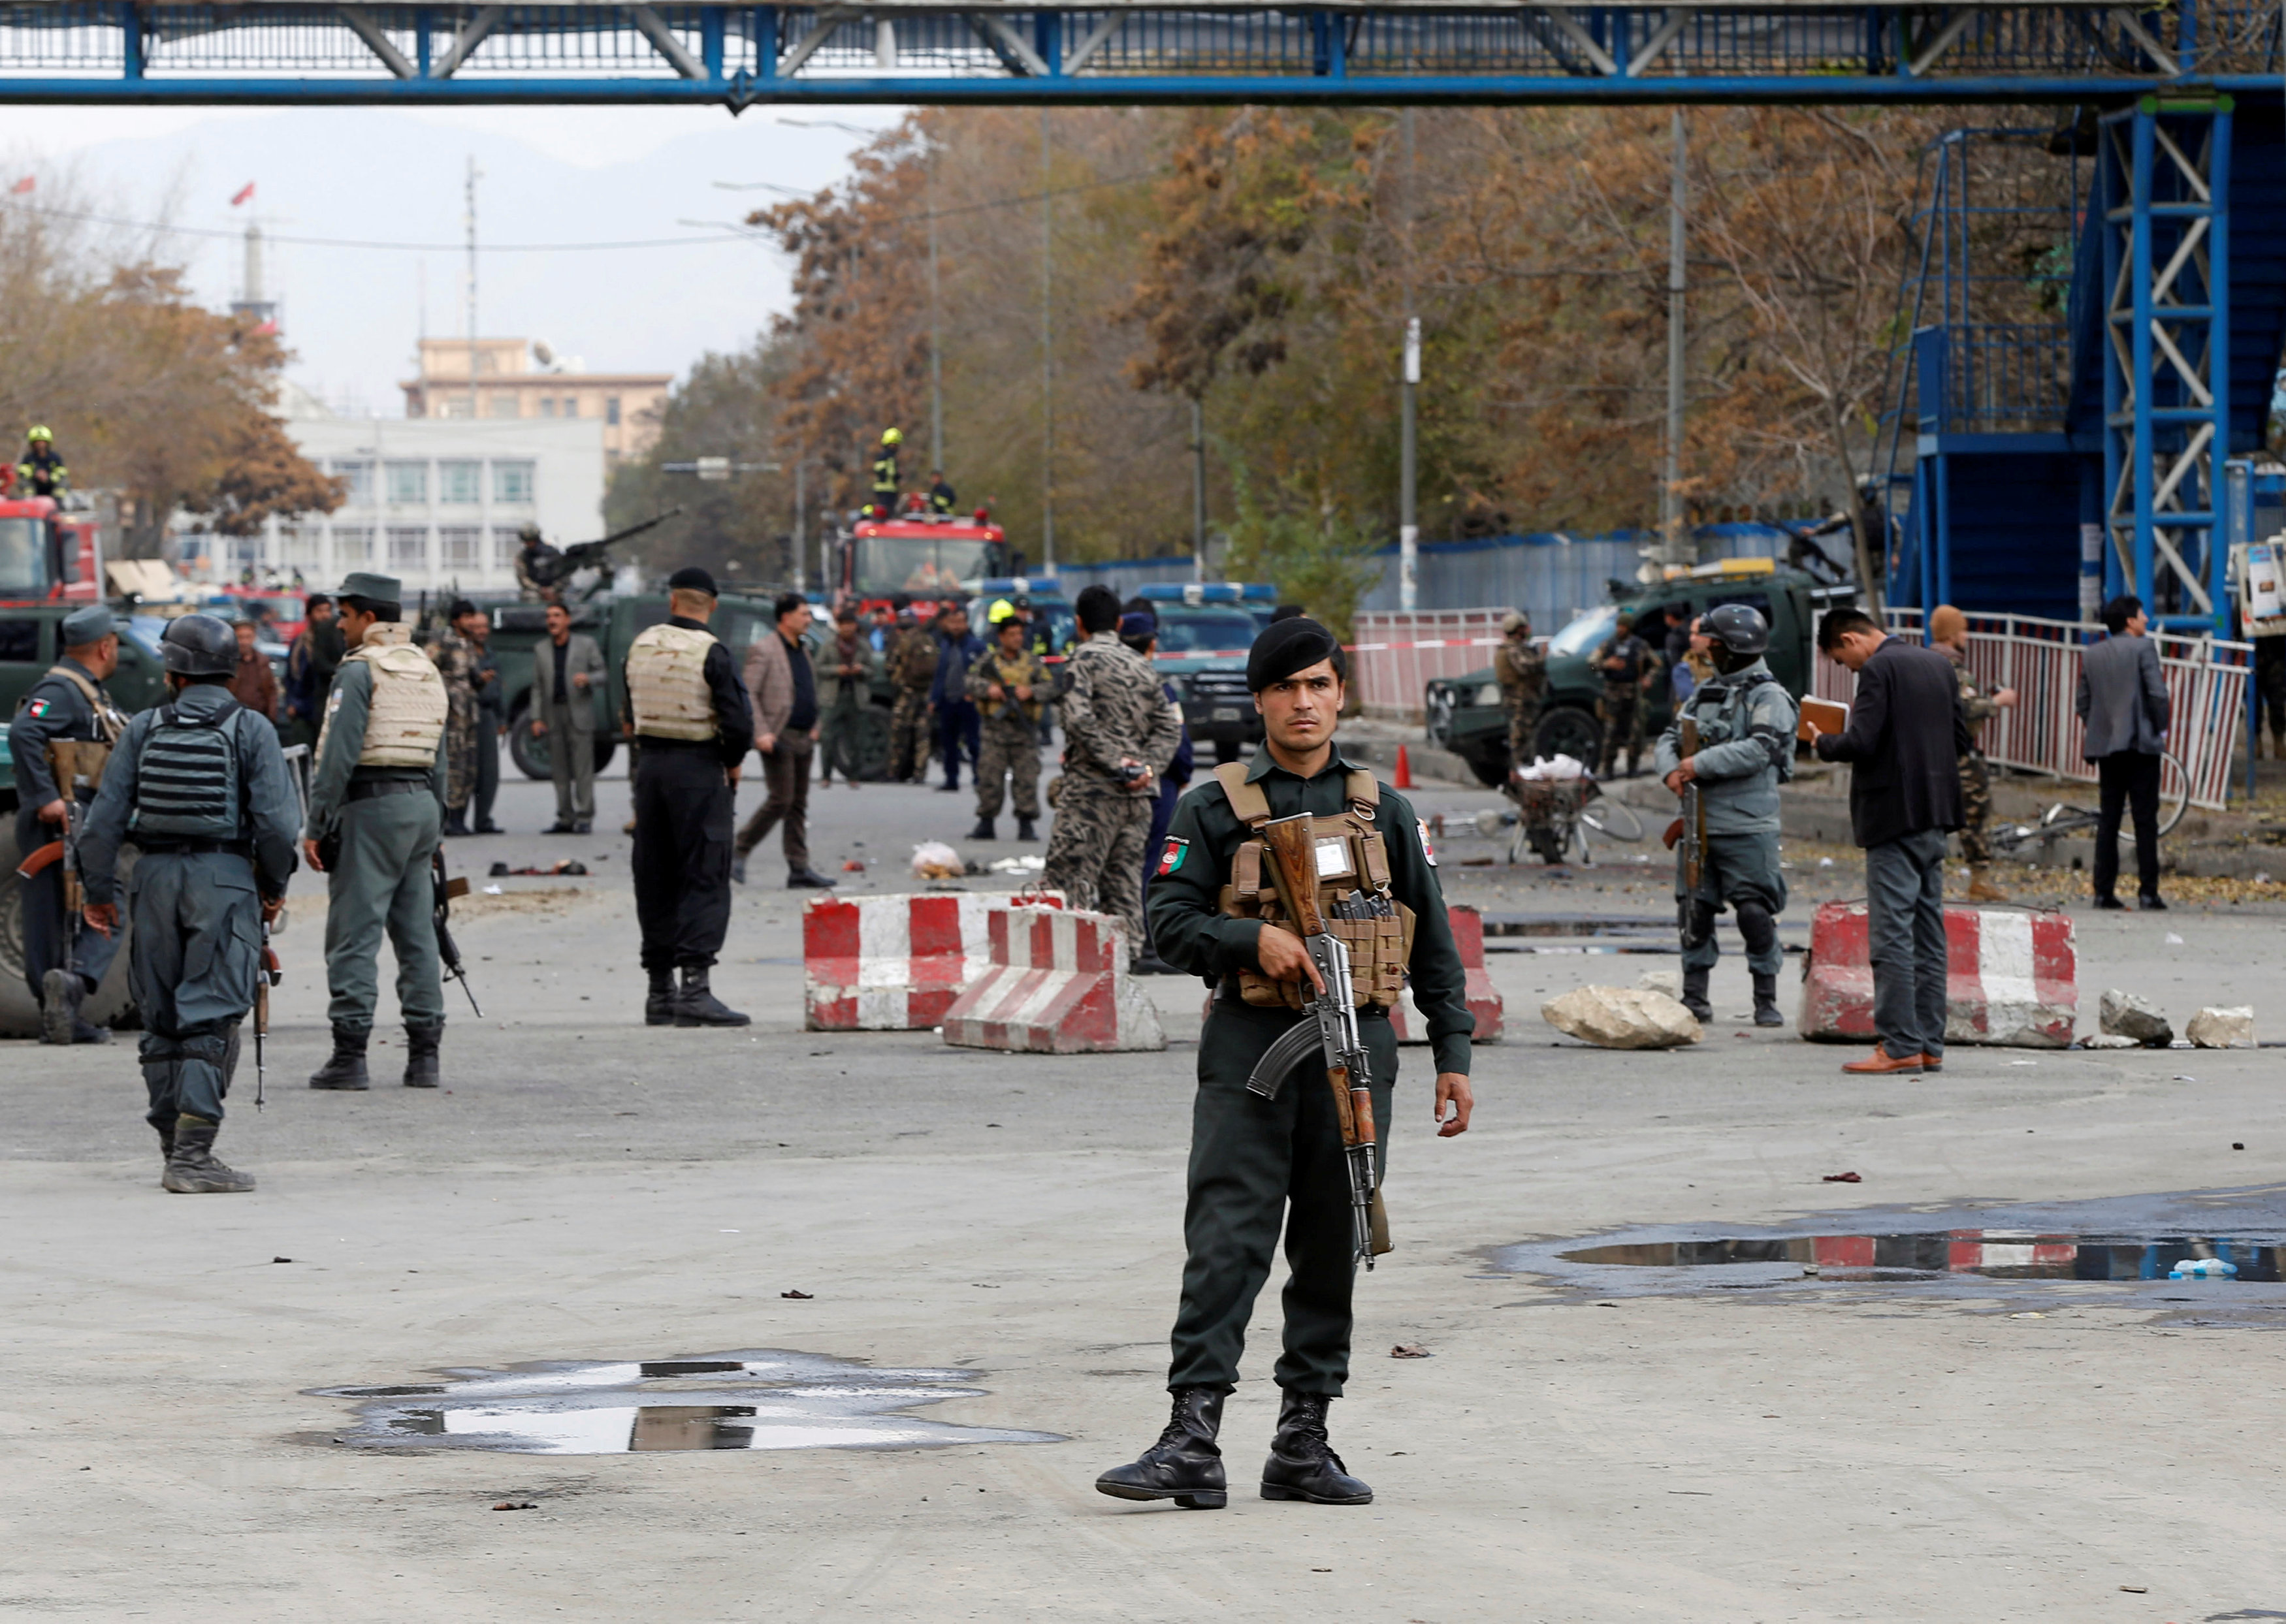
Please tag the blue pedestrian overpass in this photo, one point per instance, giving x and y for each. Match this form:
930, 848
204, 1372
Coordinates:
1382, 51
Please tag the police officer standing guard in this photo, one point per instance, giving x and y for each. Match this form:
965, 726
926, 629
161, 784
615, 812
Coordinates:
1010, 685
62, 731
376, 802
199, 785
1745, 722
456, 662
688, 707
1254, 1161
1521, 667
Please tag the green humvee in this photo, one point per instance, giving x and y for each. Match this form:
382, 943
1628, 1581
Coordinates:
1465, 715
520, 629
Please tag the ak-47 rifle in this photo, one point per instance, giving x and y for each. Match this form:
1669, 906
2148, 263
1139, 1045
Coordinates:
444, 890
552, 569
1328, 1028
268, 975
1690, 831
72, 773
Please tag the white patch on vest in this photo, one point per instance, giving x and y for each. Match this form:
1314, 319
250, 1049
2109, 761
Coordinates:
1334, 859
1427, 850
332, 701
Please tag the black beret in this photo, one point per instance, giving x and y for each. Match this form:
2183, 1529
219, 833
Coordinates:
691, 577
1288, 646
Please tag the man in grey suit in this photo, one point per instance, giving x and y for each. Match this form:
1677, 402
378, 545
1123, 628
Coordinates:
565, 670
2123, 704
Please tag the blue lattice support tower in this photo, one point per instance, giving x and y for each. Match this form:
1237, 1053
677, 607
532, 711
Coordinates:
2163, 186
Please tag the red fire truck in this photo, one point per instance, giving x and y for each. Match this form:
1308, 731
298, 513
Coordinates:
927, 555
46, 555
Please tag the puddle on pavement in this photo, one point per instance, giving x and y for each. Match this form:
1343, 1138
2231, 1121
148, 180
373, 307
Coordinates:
1540, 933
2130, 1243
760, 1399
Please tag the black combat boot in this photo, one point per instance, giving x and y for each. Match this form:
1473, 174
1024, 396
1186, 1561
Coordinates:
421, 1069
456, 821
1024, 829
1694, 993
346, 1068
658, 1003
1766, 1001
166, 1144
1302, 1463
1186, 1464
192, 1169
61, 993
696, 1003
984, 831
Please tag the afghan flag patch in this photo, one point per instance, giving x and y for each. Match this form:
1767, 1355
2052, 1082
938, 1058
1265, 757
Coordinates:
1427, 850
1172, 859
36, 707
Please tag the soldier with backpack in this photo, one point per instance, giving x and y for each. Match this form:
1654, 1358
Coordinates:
200, 786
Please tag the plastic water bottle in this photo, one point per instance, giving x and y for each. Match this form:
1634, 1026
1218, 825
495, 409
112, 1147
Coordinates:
2203, 1268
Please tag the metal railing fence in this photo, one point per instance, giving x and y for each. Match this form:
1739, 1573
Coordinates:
2206, 682
1397, 652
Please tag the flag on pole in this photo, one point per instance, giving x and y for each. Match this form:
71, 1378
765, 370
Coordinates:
24, 185
244, 193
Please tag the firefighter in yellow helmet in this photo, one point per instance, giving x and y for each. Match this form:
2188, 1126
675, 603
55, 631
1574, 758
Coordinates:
42, 472
884, 474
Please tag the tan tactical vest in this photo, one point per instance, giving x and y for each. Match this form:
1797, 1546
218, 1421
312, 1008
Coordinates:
667, 683
1009, 674
79, 764
406, 715
1351, 861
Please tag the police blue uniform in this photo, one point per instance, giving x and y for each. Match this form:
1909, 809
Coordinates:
58, 709
1746, 750
199, 788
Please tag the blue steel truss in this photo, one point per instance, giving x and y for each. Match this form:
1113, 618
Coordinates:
2164, 187
1383, 51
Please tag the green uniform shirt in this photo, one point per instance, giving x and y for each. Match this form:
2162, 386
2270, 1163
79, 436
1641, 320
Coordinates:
1192, 934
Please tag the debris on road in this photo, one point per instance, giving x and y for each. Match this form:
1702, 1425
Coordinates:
851, 865
799, 1296
562, 865
1841, 1178
1668, 981
934, 860
1410, 1350
517, 1505
1623, 1018
2127, 1014
1030, 863
2107, 1040
2222, 1028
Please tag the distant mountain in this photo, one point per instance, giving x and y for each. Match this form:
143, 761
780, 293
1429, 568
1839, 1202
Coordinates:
380, 176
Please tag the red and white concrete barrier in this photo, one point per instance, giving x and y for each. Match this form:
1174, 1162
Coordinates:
1483, 1003
894, 964
1057, 984
2012, 977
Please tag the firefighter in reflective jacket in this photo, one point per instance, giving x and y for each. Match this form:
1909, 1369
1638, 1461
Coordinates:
884, 474
42, 472
376, 804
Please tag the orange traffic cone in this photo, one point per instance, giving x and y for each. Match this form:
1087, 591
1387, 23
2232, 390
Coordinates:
1403, 769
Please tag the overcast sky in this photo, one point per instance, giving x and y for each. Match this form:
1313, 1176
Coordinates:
550, 178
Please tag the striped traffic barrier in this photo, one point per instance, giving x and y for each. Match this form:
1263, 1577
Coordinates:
895, 963
2012, 977
1485, 1002
1057, 983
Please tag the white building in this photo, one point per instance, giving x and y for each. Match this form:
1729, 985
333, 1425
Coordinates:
435, 502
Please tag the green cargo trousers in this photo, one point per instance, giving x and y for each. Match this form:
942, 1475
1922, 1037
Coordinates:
1255, 1163
380, 884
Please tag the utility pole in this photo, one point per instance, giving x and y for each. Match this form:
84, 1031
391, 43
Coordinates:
937, 348
800, 523
1673, 547
469, 219
1047, 357
1408, 510
1198, 489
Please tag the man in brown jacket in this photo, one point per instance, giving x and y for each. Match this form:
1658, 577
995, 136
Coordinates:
784, 689
254, 685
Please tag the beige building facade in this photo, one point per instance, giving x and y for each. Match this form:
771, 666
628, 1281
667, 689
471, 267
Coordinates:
514, 378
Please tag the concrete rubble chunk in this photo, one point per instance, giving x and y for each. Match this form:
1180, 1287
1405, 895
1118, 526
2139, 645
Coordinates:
1668, 981
1621, 1017
2127, 1014
2222, 1028
2107, 1040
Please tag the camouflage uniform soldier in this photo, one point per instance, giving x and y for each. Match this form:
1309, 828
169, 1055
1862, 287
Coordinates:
1522, 668
1009, 683
1119, 735
912, 668
1949, 634
456, 662
1623, 662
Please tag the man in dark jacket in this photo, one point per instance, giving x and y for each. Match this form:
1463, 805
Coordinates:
1906, 736
960, 725
2123, 704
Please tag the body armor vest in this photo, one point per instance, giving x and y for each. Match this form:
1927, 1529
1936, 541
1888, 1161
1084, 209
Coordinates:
1010, 674
667, 683
186, 778
405, 716
1353, 877
78, 763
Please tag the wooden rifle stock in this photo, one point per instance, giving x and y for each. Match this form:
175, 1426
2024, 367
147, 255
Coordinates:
1294, 870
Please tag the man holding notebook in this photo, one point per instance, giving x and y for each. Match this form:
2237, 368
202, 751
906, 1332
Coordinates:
1904, 738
